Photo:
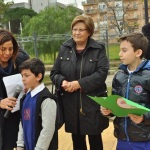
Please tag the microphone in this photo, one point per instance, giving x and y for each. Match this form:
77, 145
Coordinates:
16, 94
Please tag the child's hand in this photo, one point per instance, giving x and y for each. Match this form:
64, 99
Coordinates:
135, 118
105, 111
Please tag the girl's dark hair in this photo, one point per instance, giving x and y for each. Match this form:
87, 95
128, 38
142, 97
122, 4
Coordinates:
6, 36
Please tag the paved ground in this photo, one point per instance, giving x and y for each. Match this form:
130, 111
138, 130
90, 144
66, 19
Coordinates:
109, 141
109, 80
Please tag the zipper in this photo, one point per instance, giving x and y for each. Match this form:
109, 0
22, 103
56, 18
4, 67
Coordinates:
81, 67
81, 105
127, 96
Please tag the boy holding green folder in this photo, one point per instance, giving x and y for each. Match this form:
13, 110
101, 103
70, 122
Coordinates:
132, 82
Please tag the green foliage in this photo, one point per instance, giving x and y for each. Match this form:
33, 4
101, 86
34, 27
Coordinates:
48, 59
50, 21
46, 79
114, 52
3, 8
18, 13
16, 16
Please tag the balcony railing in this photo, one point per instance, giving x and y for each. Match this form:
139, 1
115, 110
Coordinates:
91, 11
132, 8
88, 2
102, 10
132, 18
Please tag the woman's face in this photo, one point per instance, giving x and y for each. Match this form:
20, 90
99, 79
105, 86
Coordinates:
80, 33
6, 52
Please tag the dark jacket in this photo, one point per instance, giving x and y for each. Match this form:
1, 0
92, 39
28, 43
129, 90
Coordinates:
146, 32
90, 68
9, 127
136, 87
38, 120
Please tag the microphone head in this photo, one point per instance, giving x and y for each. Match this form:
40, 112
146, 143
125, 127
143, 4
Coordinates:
18, 88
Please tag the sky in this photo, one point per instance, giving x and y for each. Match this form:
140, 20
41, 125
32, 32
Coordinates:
79, 5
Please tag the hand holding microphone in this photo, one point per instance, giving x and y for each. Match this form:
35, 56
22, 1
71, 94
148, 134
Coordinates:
8, 103
11, 102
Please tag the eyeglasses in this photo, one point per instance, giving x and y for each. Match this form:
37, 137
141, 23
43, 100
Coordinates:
79, 30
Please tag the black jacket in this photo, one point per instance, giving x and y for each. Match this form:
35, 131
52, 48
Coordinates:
146, 32
137, 90
90, 68
9, 127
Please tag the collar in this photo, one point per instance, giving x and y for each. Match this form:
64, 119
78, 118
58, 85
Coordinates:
144, 65
129, 71
37, 89
91, 43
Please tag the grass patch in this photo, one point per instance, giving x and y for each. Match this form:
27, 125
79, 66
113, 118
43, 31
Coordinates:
47, 80
113, 55
114, 52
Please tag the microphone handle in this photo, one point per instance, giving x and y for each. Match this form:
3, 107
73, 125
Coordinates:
8, 112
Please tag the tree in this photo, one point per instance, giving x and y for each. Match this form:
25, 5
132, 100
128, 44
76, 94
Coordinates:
51, 21
16, 15
3, 8
118, 15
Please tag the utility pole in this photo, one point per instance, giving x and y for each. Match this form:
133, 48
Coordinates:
75, 3
146, 11
107, 44
35, 44
30, 4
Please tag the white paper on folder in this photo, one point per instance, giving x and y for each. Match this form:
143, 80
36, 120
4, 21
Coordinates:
11, 83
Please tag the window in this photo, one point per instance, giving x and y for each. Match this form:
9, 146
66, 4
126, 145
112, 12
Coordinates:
135, 15
105, 18
134, 5
102, 6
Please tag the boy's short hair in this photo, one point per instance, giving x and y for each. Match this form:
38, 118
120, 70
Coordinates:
35, 65
137, 40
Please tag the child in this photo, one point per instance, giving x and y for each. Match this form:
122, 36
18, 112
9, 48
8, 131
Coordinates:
38, 110
132, 82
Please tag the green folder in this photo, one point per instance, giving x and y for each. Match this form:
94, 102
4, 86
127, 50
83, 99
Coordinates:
120, 106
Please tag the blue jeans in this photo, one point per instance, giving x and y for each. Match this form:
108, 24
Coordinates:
125, 145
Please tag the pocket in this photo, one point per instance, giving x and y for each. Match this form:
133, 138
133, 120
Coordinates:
92, 64
93, 60
65, 65
64, 58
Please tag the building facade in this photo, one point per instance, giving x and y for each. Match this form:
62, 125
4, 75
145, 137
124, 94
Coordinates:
113, 18
37, 5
